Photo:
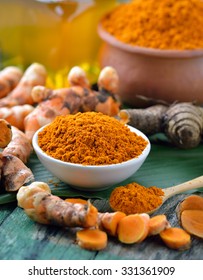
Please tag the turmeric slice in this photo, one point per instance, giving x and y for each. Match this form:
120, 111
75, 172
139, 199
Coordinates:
5, 133
109, 221
133, 229
192, 202
92, 239
192, 222
176, 238
157, 224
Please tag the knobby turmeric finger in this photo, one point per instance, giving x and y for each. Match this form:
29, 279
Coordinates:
192, 222
92, 239
176, 238
182, 123
14, 173
148, 120
25, 195
15, 115
34, 75
51, 209
19, 145
9, 78
5, 133
78, 77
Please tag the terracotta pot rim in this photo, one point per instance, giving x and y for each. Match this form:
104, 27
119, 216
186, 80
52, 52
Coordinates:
111, 40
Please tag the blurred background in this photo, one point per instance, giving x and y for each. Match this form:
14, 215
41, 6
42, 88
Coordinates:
59, 34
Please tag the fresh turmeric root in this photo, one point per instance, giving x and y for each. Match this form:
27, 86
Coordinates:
176, 238
14, 173
49, 209
133, 228
15, 115
92, 239
19, 145
157, 224
9, 78
76, 200
34, 75
63, 101
5, 133
182, 123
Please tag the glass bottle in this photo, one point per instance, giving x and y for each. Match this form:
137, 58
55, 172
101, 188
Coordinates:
57, 33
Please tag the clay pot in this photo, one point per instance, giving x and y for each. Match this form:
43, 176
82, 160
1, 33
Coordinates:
170, 75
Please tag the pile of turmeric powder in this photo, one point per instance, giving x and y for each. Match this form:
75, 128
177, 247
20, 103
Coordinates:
161, 24
90, 138
134, 198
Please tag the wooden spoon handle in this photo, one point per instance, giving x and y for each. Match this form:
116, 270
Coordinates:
186, 186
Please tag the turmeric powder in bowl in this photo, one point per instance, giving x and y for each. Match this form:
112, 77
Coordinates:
90, 138
90, 151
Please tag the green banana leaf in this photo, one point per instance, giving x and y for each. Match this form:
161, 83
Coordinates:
165, 166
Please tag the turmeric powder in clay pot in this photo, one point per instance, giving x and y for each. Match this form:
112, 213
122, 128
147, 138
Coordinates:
156, 46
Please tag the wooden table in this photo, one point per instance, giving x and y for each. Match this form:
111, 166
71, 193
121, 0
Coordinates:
23, 239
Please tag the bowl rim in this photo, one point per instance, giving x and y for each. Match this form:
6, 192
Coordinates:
111, 40
142, 156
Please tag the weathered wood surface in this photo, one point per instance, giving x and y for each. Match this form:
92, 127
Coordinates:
23, 239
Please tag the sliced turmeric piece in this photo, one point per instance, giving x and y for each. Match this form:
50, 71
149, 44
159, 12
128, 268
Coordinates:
109, 221
176, 238
92, 239
132, 229
5, 133
192, 202
192, 222
157, 224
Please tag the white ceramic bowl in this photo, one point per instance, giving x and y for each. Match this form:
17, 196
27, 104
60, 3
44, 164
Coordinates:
92, 177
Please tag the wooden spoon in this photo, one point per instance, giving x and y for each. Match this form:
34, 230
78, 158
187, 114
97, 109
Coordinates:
189, 185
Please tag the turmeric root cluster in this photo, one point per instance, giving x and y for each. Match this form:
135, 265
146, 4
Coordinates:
182, 123
27, 103
94, 227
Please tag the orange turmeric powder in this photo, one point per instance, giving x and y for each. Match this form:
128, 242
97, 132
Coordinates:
134, 198
161, 24
90, 138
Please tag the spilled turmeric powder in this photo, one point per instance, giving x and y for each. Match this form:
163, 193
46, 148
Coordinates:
134, 198
90, 138
161, 24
